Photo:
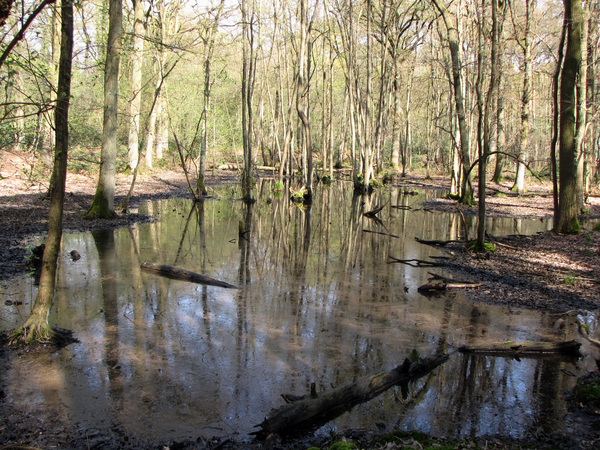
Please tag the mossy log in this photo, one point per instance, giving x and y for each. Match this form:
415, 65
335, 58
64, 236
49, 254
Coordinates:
565, 348
328, 405
178, 273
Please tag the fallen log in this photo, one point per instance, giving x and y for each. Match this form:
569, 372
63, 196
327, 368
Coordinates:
434, 288
179, 273
437, 242
568, 348
415, 262
308, 410
375, 211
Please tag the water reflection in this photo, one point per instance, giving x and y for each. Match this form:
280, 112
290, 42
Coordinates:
318, 303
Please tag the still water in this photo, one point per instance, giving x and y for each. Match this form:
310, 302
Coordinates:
318, 302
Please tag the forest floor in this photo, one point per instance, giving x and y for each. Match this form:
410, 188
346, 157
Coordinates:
549, 272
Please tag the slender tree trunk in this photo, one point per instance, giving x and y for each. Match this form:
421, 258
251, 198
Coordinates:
36, 327
569, 153
581, 118
103, 205
247, 92
136, 83
519, 185
454, 43
485, 150
556, 118
210, 44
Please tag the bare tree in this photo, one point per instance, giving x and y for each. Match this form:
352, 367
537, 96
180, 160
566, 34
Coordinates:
136, 82
103, 205
36, 327
454, 44
569, 153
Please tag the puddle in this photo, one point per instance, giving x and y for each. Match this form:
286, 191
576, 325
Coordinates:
318, 302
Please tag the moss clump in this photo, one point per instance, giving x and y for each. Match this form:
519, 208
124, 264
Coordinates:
589, 393
488, 247
597, 227
450, 196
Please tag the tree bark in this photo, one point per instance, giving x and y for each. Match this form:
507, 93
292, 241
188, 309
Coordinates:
569, 153
307, 410
208, 51
36, 327
519, 185
247, 91
454, 44
136, 83
103, 205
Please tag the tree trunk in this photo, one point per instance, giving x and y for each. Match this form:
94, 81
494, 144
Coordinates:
36, 327
454, 43
581, 118
136, 83
247, 88
519, 185
103, 205
303, 411
569, 153
485, 149
210, 44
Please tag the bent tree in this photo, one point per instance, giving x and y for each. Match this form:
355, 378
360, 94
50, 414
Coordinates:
103, 206
36, 327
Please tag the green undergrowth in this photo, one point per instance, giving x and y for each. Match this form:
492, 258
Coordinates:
487, 247
589, 393
419, 440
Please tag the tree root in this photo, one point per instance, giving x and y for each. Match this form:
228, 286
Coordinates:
40, 335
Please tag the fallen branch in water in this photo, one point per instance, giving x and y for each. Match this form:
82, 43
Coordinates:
179, 273
569, 348
415, 262
325, 406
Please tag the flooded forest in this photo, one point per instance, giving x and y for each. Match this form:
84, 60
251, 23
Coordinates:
252, 209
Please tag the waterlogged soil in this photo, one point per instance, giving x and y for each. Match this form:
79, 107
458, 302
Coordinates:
544, 272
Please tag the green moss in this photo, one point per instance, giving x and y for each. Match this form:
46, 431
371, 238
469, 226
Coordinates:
452, 196
326, 180
597, 226
488, 247
375, 183
99, 208
278, 187
414, 355
589, 393
574, 227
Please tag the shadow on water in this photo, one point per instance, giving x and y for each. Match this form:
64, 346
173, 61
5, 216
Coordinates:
318, 303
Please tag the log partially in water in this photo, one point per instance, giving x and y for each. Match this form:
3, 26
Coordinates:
568, 348
309, 410
179, 273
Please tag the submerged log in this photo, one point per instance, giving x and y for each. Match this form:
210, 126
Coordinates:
568, 348
438, 242
179, 273
415, 262
434, 288
309, 410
